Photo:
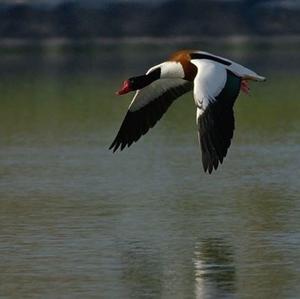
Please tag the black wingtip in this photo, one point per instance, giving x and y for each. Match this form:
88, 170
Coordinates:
123, 145
117, 144
209, 169
114, 146
114, 150
210, 163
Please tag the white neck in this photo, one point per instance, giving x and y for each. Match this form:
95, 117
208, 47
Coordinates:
170, 69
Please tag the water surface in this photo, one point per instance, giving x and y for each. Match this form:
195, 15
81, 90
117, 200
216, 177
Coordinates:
77, 221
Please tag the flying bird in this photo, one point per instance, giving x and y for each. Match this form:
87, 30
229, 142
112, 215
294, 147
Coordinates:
216, 83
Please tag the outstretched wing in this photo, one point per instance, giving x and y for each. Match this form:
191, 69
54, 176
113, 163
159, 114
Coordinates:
215, 92
147, 107
232, 66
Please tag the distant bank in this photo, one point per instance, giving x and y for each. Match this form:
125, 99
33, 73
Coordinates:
162, 20
293, 40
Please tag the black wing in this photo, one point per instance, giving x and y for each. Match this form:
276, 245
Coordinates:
145, 111
216, 124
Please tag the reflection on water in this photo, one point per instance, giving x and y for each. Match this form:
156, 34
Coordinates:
141, 270
77, 221
214, 270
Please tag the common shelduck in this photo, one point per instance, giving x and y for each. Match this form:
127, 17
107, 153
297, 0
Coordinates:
216, 83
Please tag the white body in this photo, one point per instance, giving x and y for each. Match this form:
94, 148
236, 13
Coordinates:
210, 74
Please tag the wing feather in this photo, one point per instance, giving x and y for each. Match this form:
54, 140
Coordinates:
232, 66
147, 108
215, 92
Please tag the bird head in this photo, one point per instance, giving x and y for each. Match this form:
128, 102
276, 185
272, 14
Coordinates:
133, 84
139, 82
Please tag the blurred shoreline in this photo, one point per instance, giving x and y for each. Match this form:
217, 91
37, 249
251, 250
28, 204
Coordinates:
230, 40
165, 21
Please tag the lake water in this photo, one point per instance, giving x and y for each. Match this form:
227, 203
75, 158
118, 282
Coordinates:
77, 221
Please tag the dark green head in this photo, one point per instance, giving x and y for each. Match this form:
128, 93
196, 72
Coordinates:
139, 82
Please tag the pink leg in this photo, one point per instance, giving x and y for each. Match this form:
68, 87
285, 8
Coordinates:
245, 86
